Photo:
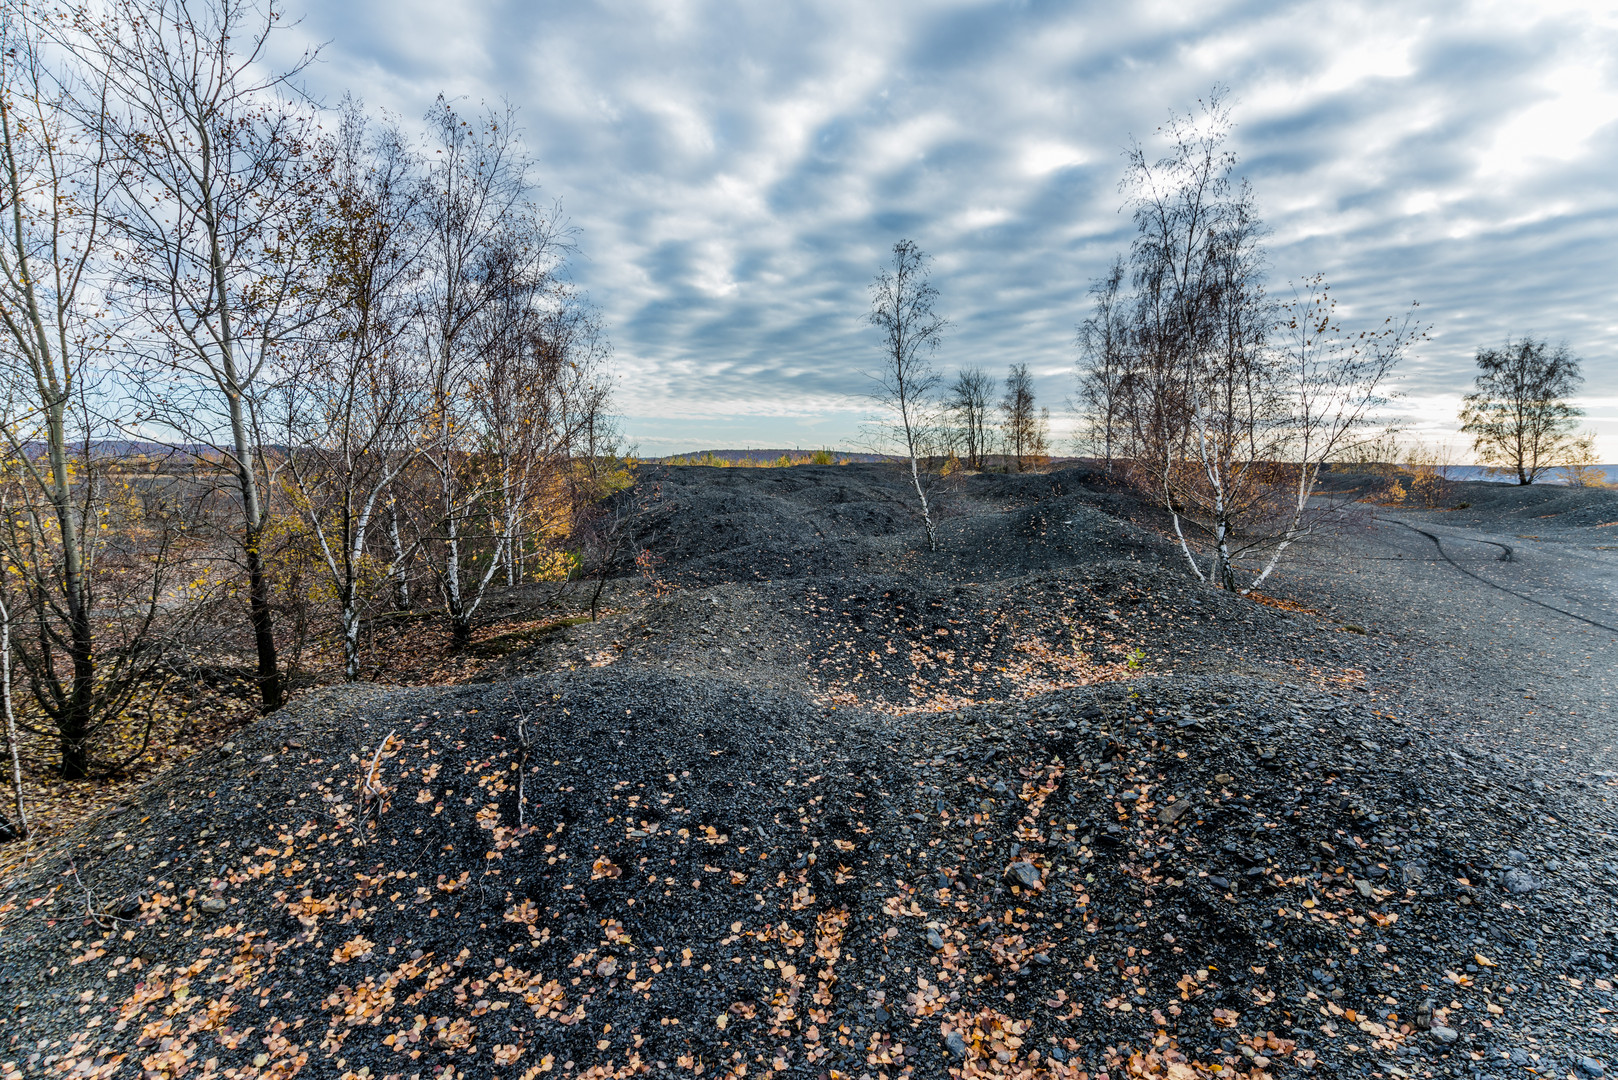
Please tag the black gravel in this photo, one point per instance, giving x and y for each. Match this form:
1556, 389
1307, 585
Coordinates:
651, 855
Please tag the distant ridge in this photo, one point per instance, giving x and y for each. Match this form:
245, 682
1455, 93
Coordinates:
697, 457
1477, 473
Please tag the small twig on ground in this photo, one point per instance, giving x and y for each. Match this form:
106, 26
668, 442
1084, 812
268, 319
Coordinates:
522, 764
89, 906
373, 788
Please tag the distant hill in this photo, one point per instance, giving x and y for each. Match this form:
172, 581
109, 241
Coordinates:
802, 457
796, 456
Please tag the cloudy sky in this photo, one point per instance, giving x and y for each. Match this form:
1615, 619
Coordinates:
738, 171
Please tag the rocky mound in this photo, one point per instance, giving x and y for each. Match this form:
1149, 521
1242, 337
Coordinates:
622, 872
1536, 505
708, 525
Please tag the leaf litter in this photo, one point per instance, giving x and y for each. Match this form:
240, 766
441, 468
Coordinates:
1099, 872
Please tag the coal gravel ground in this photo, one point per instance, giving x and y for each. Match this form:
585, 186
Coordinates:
763, 819
1502, 616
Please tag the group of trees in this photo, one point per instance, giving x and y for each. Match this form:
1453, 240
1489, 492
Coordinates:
1218, 400
1221, 402
1225, 403
255, 350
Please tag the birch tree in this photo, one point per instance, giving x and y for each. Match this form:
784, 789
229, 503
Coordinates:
1331, 382
352, 403
1024, 429
1232, 403
213, 211
487, 245
19, 829
1178, 201
902, 309
968, 401
55, 183
1103, 372
1518, 412
83, 632
539, 400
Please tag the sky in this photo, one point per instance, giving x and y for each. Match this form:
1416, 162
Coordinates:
738, 172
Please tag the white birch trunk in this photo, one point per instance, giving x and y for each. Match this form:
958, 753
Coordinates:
11, 719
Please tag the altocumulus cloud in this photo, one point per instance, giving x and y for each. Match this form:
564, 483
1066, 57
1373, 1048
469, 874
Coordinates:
738, 171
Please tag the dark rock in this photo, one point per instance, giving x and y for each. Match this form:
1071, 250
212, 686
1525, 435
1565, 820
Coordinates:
1025, 873
1518, 882
1174, 811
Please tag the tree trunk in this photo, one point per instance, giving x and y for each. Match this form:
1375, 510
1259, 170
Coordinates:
460, 624
53, 382
921, 493
12, 747
258, 595
351, 641
75, 744
401, 580
78, 717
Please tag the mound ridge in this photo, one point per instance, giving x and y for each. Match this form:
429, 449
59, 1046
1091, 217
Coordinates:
749, 824
694, 872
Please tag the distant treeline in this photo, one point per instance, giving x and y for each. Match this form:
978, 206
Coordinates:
775, 459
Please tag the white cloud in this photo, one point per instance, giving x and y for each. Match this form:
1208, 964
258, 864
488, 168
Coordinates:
739, 170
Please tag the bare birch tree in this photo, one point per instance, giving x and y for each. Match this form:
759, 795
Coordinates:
1103, 369
540, 403
1330, 382
968, 401
56, 177
1228, 428
1178, 204
1024, 429
212, 208
488, 247
902, 299
18, 829
1518, 413
83, 630
352, 407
